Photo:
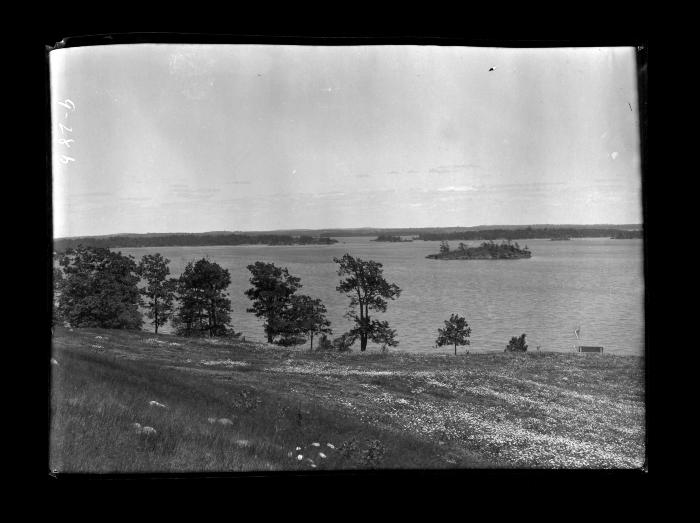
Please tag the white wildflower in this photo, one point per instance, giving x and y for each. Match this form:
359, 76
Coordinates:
330, 445
154, 403
53, 362
300, 457
322, 455
316, 444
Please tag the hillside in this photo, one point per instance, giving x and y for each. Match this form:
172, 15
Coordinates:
237, 406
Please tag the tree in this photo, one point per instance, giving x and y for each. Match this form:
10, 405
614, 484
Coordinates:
58, 281
516, 344
159, 290
204, 306
368, 291
271, 294
307, 316
444, 247
99, 289
456, 332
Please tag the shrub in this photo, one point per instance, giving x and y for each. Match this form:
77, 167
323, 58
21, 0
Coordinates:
324, 344
516, 344
344, 342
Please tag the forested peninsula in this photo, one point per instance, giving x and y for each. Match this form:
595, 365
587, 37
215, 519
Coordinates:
184, 239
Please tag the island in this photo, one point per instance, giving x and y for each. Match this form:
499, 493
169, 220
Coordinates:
490, 250
390, 238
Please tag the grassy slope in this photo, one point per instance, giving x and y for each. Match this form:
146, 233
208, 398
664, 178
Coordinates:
387, 411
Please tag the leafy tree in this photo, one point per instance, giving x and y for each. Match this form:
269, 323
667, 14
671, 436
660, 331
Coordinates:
271, 295
204, 307
368, 291
456, 332
159, 290
307, 316
516, 344
444, 247
99, 289
58, 282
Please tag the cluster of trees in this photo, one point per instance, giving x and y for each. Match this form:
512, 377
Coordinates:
194, 239
626, 235
487, 250
390, 238
95, 287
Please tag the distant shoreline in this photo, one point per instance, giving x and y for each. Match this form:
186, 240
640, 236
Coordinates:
325, 236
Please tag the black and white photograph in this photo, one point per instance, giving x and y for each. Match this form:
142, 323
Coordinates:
315, 256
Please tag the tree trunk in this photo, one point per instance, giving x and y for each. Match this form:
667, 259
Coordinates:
455, 349
312, 342
363, 342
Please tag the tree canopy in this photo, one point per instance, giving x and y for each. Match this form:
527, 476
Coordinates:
456, 332
159, 292
367, 289
271, 295
204, 307
99, 289
306, 315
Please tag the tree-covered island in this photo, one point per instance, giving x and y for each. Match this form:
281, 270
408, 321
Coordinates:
490, 250
390, 238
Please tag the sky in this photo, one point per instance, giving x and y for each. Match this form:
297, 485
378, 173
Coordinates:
194, 138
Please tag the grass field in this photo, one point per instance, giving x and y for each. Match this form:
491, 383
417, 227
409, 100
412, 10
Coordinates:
211, 405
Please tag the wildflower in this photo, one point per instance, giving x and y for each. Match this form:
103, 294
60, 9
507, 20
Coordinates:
53, 362
322, 455
330, 445
313, 465
316, 444
298, 448
211, 420
300, 457
154, 403
148, 430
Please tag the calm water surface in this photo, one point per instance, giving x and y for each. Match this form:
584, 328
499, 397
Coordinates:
594, 282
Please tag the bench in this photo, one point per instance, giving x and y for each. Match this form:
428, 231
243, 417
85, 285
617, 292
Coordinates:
585, 348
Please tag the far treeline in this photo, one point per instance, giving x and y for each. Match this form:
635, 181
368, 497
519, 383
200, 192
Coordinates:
96, 287
531, 233
185, 240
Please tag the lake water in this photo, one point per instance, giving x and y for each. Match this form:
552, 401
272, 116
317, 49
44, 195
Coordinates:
594, 283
